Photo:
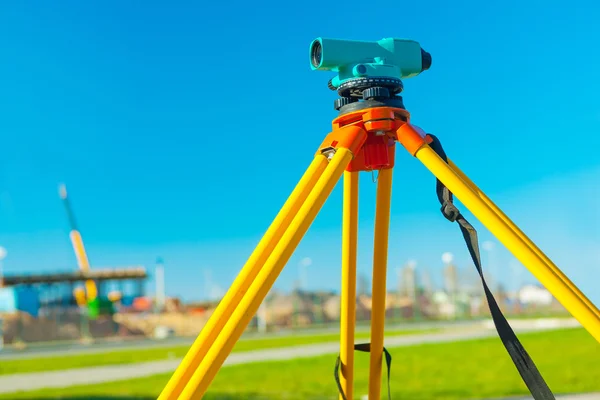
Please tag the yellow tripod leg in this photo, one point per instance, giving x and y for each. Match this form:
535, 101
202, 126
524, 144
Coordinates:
380, 252
348, 293
235, 325
242, 282
585, 312
523, 237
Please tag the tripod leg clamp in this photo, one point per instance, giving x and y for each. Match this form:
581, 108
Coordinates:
412, 137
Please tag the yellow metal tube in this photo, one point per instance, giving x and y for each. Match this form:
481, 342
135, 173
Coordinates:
523, 237
585, 313
242, 282
380, 256
236, 324
348, 293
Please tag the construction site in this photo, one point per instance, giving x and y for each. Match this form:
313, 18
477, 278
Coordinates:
86, 304
77, 304
46, 308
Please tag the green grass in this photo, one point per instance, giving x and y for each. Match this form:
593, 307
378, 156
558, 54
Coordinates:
568, 359
163, 353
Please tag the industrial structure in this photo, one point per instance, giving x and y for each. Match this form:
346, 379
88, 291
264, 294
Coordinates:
81, 295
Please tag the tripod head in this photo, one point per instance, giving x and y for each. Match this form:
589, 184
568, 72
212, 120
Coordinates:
371, 71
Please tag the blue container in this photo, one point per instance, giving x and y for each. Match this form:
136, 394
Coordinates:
19, 298
127, 301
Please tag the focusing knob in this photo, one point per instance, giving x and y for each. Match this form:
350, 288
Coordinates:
330, 85
376, 92
341, 102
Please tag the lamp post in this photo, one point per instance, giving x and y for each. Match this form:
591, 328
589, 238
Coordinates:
489, 246
160, 284
411, 277
398, 309
451, 280
303, 273
516, 269
2, 257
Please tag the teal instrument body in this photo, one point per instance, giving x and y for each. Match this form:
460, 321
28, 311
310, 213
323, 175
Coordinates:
353, 59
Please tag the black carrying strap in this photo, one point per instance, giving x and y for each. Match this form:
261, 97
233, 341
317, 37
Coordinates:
529, 372
366, 347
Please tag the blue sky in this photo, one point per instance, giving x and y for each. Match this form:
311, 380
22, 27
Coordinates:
181, 128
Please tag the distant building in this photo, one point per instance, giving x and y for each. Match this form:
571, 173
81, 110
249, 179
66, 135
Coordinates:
446, 308
535, 295
450, 279
408, 282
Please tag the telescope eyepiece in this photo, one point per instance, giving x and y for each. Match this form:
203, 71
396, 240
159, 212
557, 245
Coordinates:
425, 60
316, 53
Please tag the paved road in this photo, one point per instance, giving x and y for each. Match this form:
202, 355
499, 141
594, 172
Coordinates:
582, 396
73, 348
86, 376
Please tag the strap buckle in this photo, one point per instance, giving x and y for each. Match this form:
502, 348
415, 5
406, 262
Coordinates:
450, 211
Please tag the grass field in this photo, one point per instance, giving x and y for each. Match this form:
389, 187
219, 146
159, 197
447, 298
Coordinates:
153, 354
568, 359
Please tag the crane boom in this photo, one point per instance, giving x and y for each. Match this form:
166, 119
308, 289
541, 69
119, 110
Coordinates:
77, 242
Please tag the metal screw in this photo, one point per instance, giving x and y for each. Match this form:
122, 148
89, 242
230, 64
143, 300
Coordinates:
329, 153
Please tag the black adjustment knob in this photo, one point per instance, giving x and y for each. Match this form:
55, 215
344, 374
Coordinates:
341, 102
376, 92
330, 85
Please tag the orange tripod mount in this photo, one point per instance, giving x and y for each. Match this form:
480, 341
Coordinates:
373, 145
363, 138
